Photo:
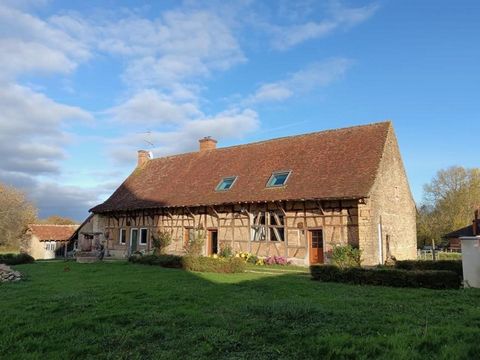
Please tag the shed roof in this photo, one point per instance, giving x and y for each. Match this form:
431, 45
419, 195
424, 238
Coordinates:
48, 232
333, 164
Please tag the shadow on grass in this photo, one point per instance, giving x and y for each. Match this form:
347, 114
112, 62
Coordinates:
121, 310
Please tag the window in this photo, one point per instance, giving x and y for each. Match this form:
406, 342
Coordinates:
50, 245
122, 236
268, 225
226, 183
278, 178
143, 236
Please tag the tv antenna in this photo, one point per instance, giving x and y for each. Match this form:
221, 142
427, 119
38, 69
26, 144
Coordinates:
148, 138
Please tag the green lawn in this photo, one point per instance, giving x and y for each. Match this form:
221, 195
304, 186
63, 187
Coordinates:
120, 310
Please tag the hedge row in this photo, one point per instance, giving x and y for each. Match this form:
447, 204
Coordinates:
16, 259
432, 279
168, 261
449, 265
192, 263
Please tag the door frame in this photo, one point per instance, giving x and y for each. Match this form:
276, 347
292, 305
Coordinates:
309, 243
209, 240
130, 242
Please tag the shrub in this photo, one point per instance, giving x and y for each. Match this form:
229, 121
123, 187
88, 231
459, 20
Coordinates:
192, 263
449, 265
168, 261
160, 241
225, 250
346, 256
276, 260
16, 259
433, 279
208, 264
195, 243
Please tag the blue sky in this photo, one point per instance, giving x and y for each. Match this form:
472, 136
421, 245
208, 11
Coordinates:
84, 84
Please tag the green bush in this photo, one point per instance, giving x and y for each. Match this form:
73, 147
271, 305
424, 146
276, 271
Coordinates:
225, 250
192, 263
168, 261
346, 256
16, 259
160, 241
449, 265
208, 264
433, 279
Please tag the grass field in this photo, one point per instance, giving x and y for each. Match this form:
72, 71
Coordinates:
126, 311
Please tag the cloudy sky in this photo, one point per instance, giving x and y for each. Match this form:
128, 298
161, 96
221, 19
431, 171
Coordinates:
83, 85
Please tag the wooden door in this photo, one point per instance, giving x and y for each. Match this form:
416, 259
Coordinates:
316, 246
212, 247
133, 240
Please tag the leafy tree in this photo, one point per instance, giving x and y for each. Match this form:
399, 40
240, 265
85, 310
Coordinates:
15, 214
450, 200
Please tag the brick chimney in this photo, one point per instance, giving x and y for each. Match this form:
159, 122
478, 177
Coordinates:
207, 143
143, 157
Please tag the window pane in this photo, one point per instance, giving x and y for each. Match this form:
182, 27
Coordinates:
143, 236
226, 183
278, 179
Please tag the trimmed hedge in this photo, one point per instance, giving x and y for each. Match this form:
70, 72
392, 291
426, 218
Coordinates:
168, 261
449, 265
16, 259
218, 265
192, 263
432, 279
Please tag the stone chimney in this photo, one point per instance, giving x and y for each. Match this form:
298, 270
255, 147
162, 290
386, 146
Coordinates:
207, 143
143, 157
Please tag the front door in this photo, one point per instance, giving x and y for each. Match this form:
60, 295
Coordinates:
316, 246
133, 240
213, 242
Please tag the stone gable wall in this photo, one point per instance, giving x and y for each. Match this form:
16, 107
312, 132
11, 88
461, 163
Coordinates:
391, 204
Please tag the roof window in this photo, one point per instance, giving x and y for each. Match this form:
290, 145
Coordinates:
278, 178
226, 183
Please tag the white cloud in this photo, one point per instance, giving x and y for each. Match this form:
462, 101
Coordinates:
150, 108
31, 135
285, 37
316, 75
29, 44
233, 124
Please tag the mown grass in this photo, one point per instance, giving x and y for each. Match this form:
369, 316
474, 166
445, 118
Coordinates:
119, 310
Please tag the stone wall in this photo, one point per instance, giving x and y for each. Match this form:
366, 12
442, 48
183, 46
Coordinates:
390, 204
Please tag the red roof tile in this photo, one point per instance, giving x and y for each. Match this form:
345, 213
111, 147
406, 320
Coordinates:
47, 232
335, 164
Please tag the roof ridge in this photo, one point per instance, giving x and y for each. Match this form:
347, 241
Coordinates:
385, 122
53, 224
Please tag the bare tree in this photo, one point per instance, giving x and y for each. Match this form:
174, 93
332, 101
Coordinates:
15, 214
58, 220
450, 200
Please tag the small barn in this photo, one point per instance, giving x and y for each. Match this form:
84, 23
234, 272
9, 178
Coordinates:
296, 197
46, 241
454, 242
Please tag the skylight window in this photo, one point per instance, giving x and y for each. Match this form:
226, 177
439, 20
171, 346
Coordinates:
278, 178
226, 183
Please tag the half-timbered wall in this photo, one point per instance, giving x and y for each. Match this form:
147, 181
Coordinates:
236, 226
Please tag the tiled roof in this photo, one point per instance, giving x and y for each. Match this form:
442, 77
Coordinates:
47, 232
334, 164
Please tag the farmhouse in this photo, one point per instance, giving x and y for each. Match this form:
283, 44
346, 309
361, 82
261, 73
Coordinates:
295, 196
45, 240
